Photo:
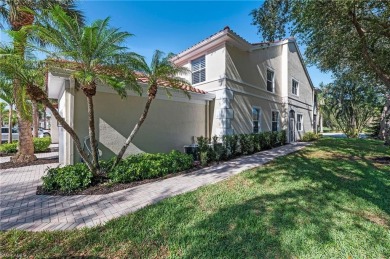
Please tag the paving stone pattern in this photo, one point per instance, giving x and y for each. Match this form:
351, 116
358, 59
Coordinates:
20, 208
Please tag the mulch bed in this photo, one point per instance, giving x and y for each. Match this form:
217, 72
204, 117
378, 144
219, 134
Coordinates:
39, 161
104, 187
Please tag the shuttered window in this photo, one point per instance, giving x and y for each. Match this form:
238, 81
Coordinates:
270, 80
198, 68
256, 120
299, 122
275, 121
294, 87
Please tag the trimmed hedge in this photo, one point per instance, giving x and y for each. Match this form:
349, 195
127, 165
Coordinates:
133, 168
40, 145
310, 136
9, 148
148, 166
231, 146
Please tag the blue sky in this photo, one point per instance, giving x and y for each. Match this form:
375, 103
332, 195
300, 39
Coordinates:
176, 25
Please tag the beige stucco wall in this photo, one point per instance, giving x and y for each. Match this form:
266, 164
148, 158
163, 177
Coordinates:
242, 105
215, 68
169, 125
251, 67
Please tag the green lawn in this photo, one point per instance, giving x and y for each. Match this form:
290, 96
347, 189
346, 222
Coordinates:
329, 200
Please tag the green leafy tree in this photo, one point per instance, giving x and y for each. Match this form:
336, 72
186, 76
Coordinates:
17, 15
352, 101
339, 35
95, 54
160, 71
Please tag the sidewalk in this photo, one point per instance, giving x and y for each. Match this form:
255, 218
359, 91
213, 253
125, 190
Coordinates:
20, 208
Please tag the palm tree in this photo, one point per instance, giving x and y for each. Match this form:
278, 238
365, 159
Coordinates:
16, 15
95, 54
160, 72
6, 94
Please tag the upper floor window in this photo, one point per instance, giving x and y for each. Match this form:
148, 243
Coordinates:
256, 120
198, 68
299, 122
275, 121
295, 87
270, 80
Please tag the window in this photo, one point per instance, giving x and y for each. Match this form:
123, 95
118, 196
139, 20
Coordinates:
299, 122
256, 120
4, 130
270, 80
294, 87
198, 70
275, 120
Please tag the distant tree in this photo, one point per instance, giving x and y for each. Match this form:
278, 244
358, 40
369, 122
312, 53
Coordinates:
161, 70
352, 101
337, 34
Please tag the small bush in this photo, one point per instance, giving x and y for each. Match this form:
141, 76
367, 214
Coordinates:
282, 137
246, 144
41, 144
310, 136
274, 139
68, 178
147, 166
9, 148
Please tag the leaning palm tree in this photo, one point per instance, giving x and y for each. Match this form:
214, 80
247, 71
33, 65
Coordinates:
16, 15
162, 71
93, 54
7, 95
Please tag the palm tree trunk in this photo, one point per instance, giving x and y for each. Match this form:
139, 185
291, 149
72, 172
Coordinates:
10, 124
35, 118
92, 135
72, 134
384, 132
25, 144
133, 132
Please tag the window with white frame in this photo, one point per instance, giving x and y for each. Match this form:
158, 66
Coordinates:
256, 117
270, 80
295, 87
198, 69
299, 122
275, 121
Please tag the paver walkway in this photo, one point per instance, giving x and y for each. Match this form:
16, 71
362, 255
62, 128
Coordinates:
20, 208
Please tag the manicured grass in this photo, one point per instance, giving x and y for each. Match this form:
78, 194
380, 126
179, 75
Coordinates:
331, 200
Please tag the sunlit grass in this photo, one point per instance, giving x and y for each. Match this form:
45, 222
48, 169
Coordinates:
330, 200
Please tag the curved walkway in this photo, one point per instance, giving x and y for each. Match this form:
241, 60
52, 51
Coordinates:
20, 208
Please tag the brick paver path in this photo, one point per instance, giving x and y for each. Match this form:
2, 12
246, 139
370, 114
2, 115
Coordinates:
20, 208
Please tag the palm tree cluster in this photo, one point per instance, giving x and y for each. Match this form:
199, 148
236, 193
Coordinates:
94, 54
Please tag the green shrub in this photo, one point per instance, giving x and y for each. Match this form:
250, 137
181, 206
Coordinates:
246, 144
282, 137
310, 136
9, 148
256, 142
68, 178
147, 166
274, 139
41, 144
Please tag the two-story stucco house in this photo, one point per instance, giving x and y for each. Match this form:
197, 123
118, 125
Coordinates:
258, 87
238, 87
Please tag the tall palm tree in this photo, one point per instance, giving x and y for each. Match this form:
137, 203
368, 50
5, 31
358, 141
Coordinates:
160, 72
95, 54
16, 15
6, 94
